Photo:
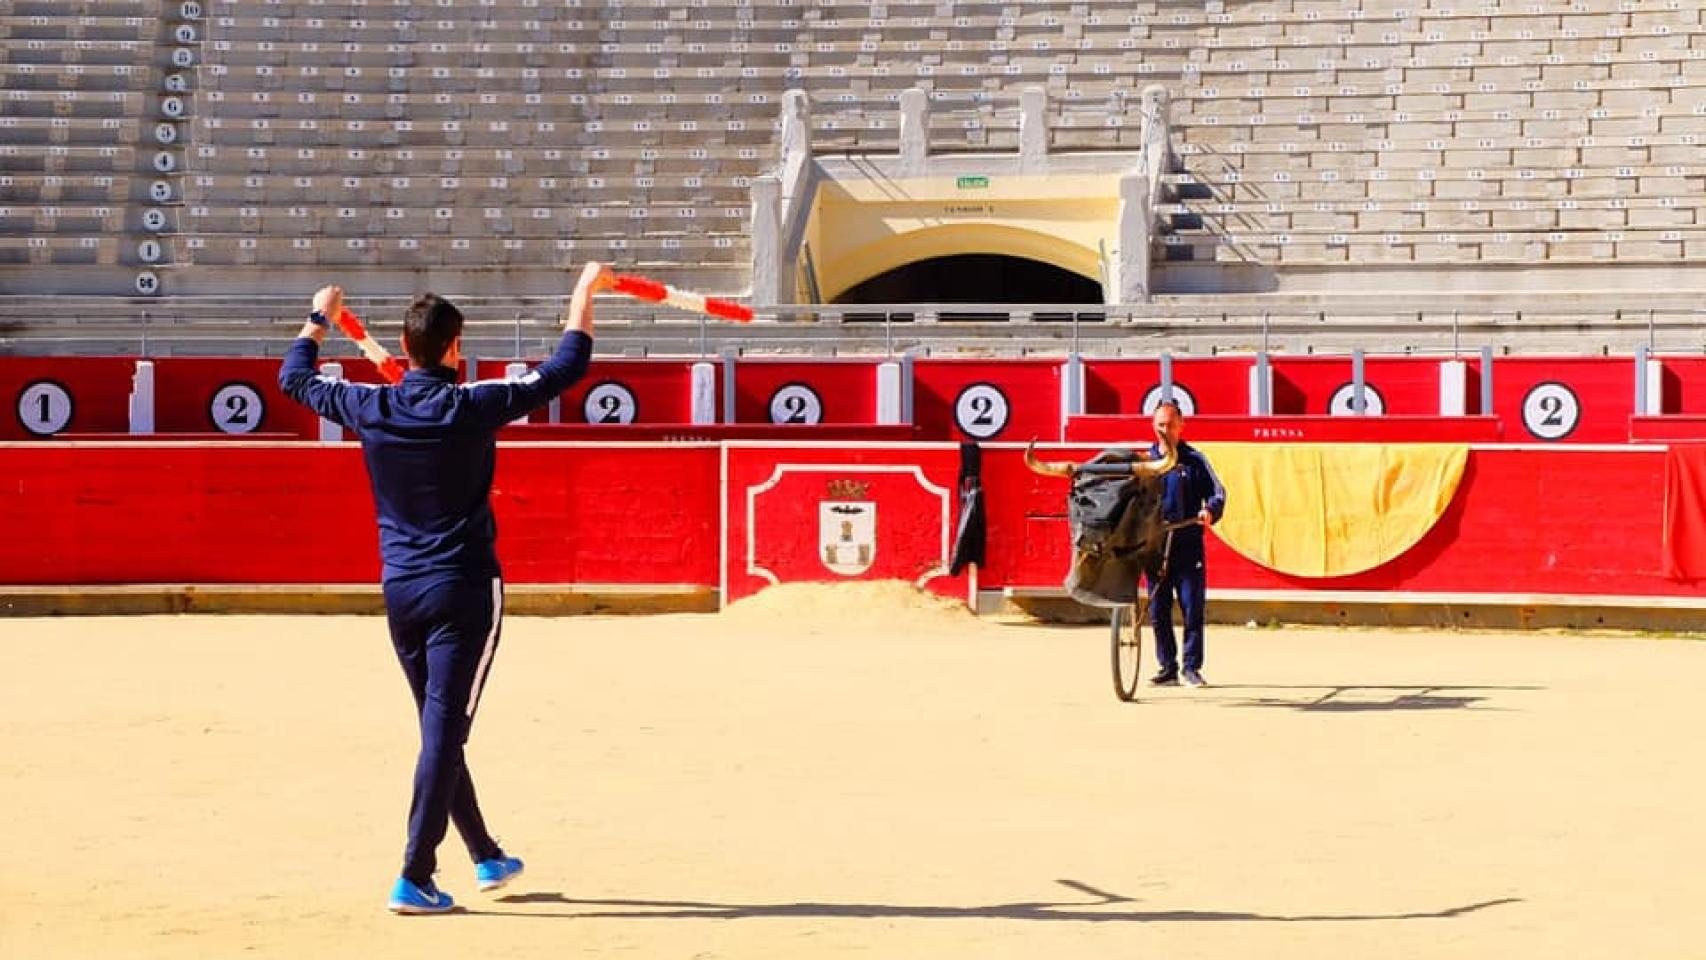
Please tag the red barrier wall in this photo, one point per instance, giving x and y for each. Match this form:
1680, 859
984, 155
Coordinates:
596, 513
98, 389
1670, 427
1132, 430
186, 390
708, 432
1119, 386
301, 513
824, 512
1211, 385
1580, 400
1403, 386
1545, 399
1684, 384
1564, 520
624, 391
843, 391
987, 399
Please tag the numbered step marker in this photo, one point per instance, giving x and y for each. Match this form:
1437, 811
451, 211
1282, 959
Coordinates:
981, 411
44, 408
795, 403
1551, 411
1187, 403
236, 408
610, 402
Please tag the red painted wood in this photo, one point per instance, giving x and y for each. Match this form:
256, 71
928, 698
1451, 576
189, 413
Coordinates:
229, 513
846, 389
1604, 388
1565, 520
99, 389
1407, 386
184, 388
1219, 386
1684, 384
708, 432
1127, 430
776, 500
1030, 389
662, 389
1671, 426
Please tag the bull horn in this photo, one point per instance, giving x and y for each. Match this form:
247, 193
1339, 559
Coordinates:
1155, 468
1047, 468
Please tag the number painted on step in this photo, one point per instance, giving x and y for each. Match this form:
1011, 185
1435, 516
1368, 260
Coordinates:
44, 408
236, 408
1343, 402
1187, 403
981, 411
610, 402
796, 403
1551, 411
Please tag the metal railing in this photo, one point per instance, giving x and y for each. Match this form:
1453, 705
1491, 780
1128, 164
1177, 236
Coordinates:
527, 326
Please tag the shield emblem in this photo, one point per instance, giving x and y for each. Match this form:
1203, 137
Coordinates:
847, 535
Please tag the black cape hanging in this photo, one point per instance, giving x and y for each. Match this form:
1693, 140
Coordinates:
971, 536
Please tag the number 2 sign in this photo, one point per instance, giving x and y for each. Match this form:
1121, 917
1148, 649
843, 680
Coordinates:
796, 403
236, 408
610, 402
1551, 411
981, 411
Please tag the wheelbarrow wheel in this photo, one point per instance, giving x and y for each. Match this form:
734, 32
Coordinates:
1126, 629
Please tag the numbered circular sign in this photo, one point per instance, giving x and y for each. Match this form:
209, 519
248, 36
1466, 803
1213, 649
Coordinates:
236, 408
1343, 403
172, 107
1181, 396
795, 403
610, 402
165, 162
184, 33
190, 10
160, 191
183, 57
44, 407
149, 251
154, 220
981, 411
147, 283
1551, 411
177, 83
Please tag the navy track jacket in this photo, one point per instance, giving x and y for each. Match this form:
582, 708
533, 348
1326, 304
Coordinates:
1189, 487
431, 448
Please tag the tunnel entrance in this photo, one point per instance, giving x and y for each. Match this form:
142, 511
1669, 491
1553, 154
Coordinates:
975, 278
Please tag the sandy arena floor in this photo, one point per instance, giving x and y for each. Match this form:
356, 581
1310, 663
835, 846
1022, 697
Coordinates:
857, 779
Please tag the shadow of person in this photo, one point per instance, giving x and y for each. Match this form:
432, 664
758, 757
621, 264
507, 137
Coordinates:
1364, 698
1099, 907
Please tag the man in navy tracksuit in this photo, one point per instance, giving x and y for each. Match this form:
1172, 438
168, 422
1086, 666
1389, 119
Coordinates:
430, 448
1190, 492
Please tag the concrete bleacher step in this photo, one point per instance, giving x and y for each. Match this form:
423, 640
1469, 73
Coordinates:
1394, 114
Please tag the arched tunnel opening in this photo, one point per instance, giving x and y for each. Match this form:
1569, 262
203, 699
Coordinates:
983, 278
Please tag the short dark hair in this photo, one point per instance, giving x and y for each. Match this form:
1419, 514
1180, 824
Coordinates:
430, 326
1170, 402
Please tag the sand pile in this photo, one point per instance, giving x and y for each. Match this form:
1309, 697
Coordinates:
859, 603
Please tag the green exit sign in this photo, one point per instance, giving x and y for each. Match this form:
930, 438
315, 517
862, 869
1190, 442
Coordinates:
972, 183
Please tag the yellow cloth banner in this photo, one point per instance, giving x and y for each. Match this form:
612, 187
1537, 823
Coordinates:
1331, 509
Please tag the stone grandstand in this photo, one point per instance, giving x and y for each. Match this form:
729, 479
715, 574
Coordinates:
1390, 173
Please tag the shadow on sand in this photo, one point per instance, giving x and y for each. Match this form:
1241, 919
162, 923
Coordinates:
1101, 907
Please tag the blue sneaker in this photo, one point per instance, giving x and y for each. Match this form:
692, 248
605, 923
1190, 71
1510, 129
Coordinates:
492, 874
407, 897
